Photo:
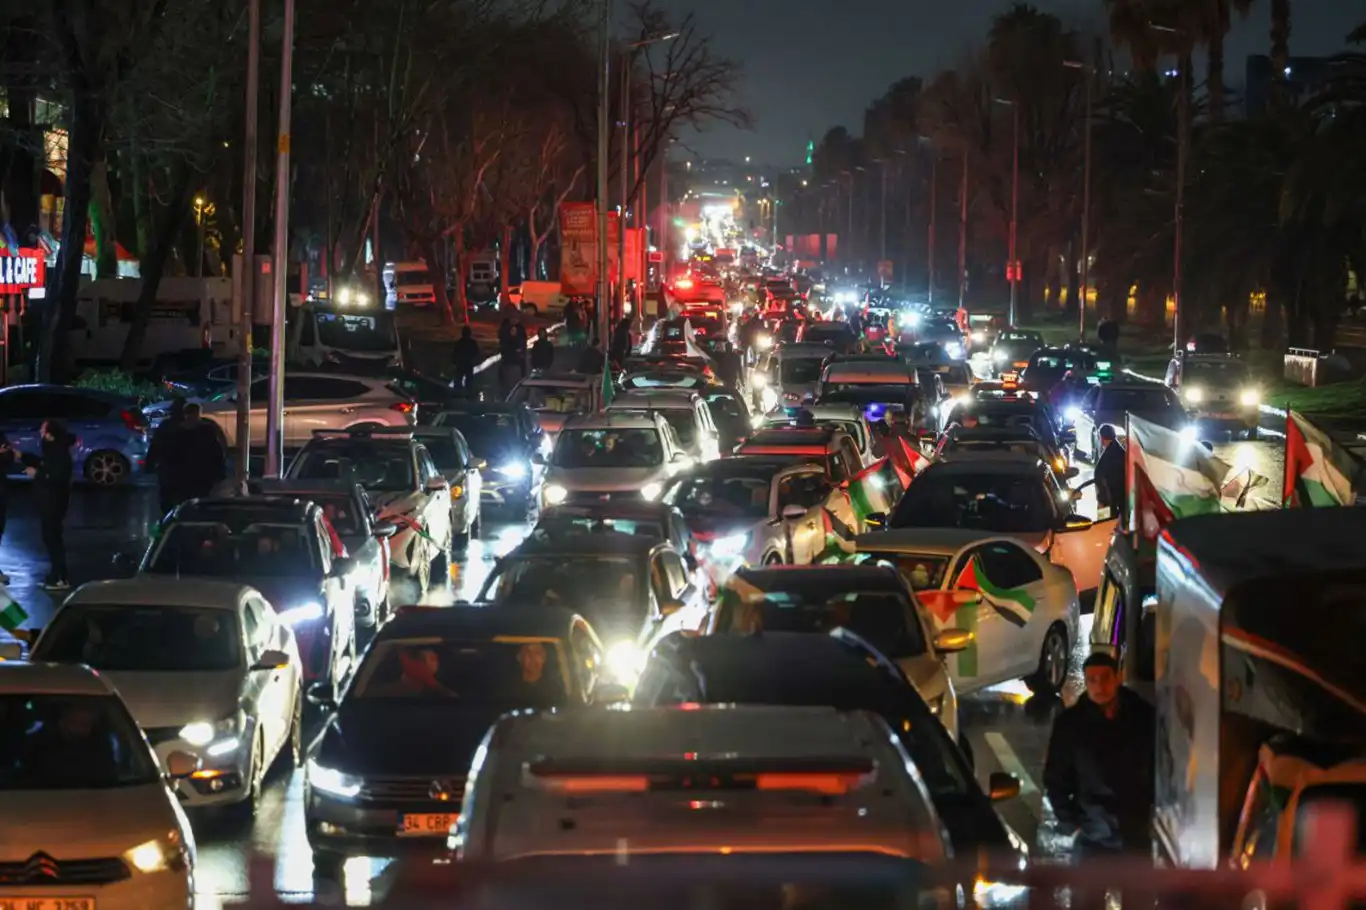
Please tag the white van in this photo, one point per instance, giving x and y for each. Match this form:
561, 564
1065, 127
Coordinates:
408, 283
538, 297
189, 313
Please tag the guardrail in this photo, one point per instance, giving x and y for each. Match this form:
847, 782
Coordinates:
1302, 365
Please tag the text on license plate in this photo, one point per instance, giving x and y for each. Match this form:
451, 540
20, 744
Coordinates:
47, 903
425, 824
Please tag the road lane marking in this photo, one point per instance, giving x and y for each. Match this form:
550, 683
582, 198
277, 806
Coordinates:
1010, 762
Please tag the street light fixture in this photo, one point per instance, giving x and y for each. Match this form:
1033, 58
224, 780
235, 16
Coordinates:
1014, 266
199, 226
1089, 74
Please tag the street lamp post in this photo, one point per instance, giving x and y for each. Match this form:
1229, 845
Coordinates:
604, 141
1089, 73
1014, 266
1182, 150
246, 318
280, 260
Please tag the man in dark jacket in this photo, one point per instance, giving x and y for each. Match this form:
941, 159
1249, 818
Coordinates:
621, 341
1111, 472
466, 359
200, 447
161, 456
543, 352
1099, 771
591, 361
51, 473
511, 351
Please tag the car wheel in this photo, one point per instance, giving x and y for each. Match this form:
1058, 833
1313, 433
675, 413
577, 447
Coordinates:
293, 752
773, 560
422, 574
1048, 679
107, 468
245, 811
328, 865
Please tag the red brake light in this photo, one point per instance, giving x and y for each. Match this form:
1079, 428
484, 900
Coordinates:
403, 407
683, 283
134, 420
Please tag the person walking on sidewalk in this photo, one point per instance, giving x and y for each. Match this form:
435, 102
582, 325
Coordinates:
162, 459
466, 359
51, 473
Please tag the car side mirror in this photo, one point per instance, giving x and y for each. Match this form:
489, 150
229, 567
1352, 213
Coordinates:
951, 641
321, 694
538, 459
1002, 786
670, 606
11, 650
794, 512
1071, 472
180, 765
271, 660
343, 566
384, 530
1075, 522
437, 484
609, 693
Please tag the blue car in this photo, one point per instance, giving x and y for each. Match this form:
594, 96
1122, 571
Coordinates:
110, 430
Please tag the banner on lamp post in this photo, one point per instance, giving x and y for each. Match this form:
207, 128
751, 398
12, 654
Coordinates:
23, 269
578, 249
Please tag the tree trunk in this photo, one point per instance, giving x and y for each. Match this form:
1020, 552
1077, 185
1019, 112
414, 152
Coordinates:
153, 267
504, 263
83, 149
443, 300
142, 215
102, 221
1214, 73
1074, 290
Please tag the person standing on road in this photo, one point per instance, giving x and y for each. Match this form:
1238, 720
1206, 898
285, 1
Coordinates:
573, 325
51, 473
621, 341
511, 351
591, 361
161, 456
1112, 473
200, 447
466, 359
1098, 774
543, 352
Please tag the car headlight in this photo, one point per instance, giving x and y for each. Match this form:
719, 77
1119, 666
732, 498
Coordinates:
760, 380
308, 612
768, 399
1000, 356
515, 470
332, 781
979, 337
729, 546
990, 895
158, 855
954, 350
625, 661
1189, 435
1195, 395
1072, 414
763, 342
555, 494
344, 296
202, 732
651, 491
1250, 398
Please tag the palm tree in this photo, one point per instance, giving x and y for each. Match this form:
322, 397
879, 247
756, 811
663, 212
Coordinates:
1280, 38
1219, 15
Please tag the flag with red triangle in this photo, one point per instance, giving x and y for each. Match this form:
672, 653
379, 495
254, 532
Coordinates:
1016, 605
1318, 472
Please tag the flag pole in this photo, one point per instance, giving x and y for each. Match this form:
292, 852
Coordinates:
1287, 481
1128, 517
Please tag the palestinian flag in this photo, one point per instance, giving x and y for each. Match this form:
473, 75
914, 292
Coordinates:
406, 522
875, 489
1015, 604
12, 615
1317, 471
839, 539
1169, 478
740, 607
947, 609
607, 388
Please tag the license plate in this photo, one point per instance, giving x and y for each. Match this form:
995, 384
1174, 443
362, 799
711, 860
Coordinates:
1221, 415
47, 903
426, 824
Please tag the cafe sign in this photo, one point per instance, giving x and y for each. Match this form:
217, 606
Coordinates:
22, 270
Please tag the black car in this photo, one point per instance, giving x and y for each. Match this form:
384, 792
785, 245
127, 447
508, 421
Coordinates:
432, 393
1013, 348
280, 546
507, 437
876, 401
731, 414
1048, 366
386, 774
843, 671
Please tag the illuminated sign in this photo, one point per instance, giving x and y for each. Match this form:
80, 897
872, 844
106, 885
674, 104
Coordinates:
19, 272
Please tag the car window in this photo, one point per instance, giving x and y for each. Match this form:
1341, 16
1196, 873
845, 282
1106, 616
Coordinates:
1158, 398
78, 407
565, 581
71, 742
384, 465
425, 466
608, 448
214, 549
586, 657
160, 639
27, 404
805, 490
342, 511
1003, 503
324, 556
880, 616
675, 573
1007, 565
510, 674
850, 453
840, 467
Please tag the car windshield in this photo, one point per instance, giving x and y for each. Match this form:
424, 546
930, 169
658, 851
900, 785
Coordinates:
1158, 398
724, 494
1221, 374
560, 525
1058, 362
376, 464
827, 334
806, 602
726, 405
1020, 339
608, 448
71, 742
143, 639
923, 571
341, 509
1017, 419
518, 673
800, 370
1018, 445
259, 550
368, 333
566, 579
684, 422
485, 434
561, 399
663, 381
997, 501
444, 451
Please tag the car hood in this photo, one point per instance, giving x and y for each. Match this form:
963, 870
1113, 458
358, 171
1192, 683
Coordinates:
176, 699
58, 822
285, 593
608, 480
1166, 417
394, 736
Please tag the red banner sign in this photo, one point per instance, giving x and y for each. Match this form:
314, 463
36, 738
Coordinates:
579, 249
18, 273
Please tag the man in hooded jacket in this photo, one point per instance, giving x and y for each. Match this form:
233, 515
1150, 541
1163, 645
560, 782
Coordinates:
51, 472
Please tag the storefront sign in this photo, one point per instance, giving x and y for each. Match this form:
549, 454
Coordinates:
20, 272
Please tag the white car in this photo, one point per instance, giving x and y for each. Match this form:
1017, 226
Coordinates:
771, 780
318, 401
796, 373
555, 397
206, 668
754, 510
89, 817
622, 454
847, 417
686, 412
1021, 609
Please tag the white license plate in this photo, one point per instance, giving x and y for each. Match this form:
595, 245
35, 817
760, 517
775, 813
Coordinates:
425, 824
47, 903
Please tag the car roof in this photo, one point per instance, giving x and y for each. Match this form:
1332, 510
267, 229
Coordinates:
482, 407
798, 661
804, 350
635, 419
22, 678
942, 541
584, 545
1136, 385
972, 463
477, 622
276, 487
654, 398
162, 591
745, 465
794, 436
261, 508
552, 378
616, 507
858, 577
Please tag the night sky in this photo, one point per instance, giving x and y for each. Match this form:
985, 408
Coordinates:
813, 64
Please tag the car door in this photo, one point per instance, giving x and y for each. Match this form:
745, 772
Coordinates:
1084, 424
801, 532
693, 615
436, 509
320, 403
474, 476
1082, 550
263, 689
980, 664
1020, 593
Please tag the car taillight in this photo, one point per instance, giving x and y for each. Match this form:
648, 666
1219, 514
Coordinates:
134, 420
403, 407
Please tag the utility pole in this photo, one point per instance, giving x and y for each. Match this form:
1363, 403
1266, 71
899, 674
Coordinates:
883, 212
1013, 267
1182, 149
1088, 73
934, 224
246, 317
963, 235
626, 66
604, 133
275, 449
